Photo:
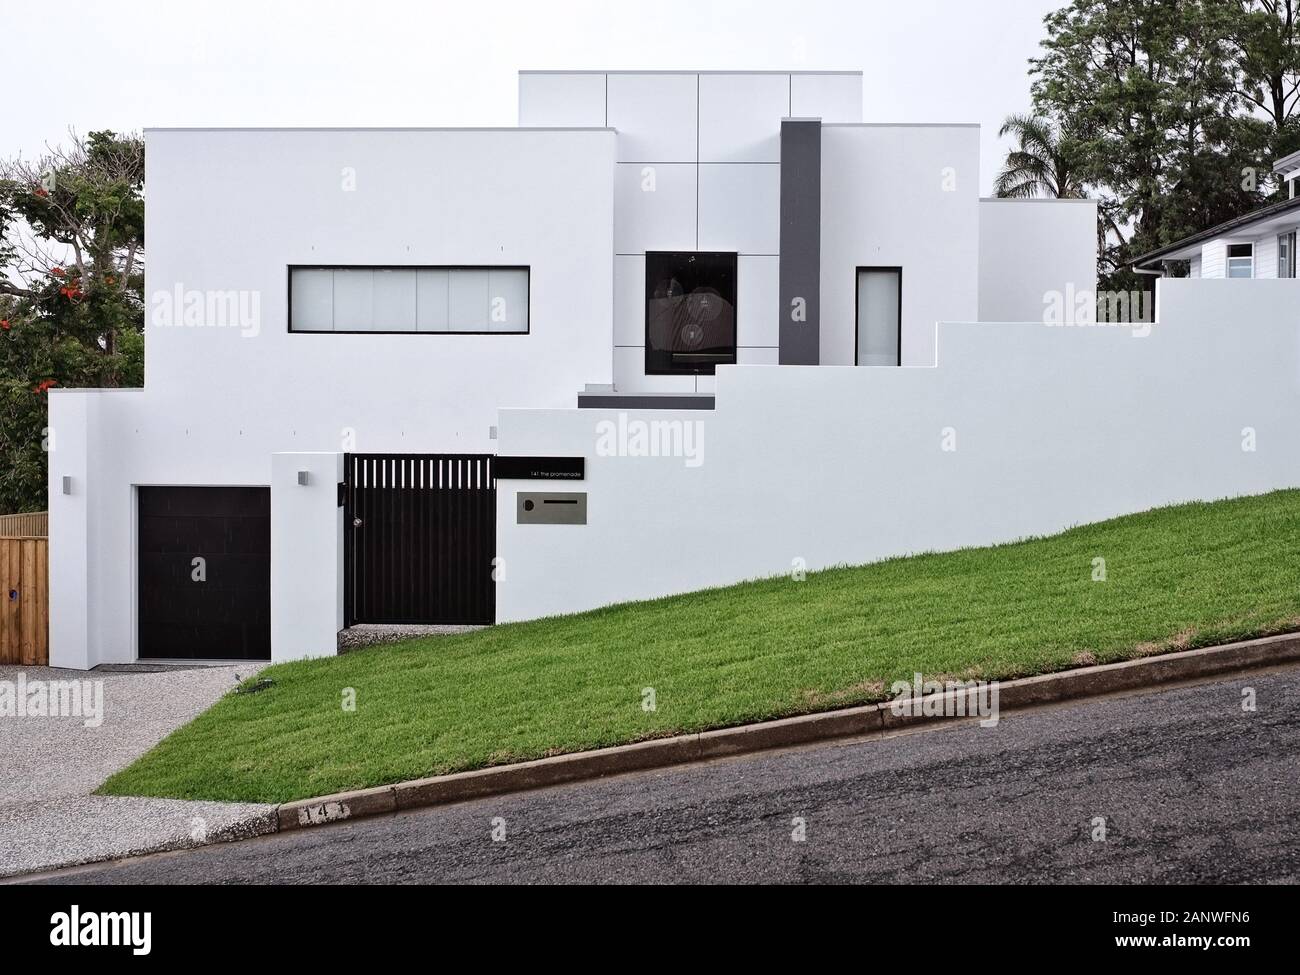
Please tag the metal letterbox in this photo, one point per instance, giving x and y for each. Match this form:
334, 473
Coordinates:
551, 507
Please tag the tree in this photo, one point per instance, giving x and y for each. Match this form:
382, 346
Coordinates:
1041, 164
1150, 94
71, 291
1267, 55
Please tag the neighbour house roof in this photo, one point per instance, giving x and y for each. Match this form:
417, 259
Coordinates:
1287, 163
1189, 246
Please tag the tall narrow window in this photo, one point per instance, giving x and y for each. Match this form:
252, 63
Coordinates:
879, 312
1286, 255
1241, 260
408, 299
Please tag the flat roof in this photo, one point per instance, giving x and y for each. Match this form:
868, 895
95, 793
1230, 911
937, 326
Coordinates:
900, 125
678, 71
1037, 199
379, 128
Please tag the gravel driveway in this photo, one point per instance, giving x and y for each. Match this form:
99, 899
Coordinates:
50, 765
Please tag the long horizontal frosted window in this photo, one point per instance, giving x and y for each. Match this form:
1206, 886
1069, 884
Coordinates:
408, 299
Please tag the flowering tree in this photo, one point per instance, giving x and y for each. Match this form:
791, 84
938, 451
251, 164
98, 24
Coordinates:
71, 291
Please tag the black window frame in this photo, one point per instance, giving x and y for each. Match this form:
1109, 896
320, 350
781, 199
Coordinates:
857, 271
703, 370
1229, 257
528, 289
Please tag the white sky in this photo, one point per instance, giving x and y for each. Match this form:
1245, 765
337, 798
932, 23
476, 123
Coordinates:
137, 63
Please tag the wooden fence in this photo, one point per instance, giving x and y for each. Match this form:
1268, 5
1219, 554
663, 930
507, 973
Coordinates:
24, 601
33, 524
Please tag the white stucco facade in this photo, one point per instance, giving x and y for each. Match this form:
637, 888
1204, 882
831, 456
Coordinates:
1030, 251
234, 397
220, 400
698, 169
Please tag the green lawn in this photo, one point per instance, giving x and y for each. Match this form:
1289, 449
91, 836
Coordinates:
1176, 577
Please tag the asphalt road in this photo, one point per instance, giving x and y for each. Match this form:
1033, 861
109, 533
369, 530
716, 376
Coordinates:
1192, 789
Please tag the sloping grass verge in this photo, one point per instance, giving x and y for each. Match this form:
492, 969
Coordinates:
1178, 577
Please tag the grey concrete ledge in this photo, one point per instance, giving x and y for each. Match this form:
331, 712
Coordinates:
646, 401
875, 720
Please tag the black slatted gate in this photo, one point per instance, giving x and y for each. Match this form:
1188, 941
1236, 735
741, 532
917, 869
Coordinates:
420, 533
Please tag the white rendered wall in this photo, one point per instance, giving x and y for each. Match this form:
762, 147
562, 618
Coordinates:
1030, 248
1053, 426
230, 210
899, 196
698, 169
71, 595
306, 555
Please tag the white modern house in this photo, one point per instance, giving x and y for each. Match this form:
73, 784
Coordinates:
674, 330
1261, 244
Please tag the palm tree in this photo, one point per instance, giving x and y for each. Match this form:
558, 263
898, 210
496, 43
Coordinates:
1039, 165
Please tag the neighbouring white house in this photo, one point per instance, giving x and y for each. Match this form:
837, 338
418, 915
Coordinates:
1260, 244
674, 330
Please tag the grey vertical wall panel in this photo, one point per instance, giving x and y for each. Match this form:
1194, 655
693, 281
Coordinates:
801, 240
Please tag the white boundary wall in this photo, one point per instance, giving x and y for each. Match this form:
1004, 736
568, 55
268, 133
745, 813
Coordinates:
306, 555
1054, 427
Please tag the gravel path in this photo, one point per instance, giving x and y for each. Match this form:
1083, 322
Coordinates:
371, 634
50, 765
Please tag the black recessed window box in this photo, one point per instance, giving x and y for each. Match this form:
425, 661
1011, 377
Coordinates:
690, 312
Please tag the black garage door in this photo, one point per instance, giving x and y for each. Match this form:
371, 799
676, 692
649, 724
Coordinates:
205, 573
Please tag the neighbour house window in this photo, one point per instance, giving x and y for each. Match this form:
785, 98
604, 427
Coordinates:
879, 316
1286, 255
1241, 260
690, 317
443, 300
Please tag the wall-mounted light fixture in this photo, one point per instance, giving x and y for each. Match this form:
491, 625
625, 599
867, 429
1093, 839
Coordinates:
67, 484
304, 478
